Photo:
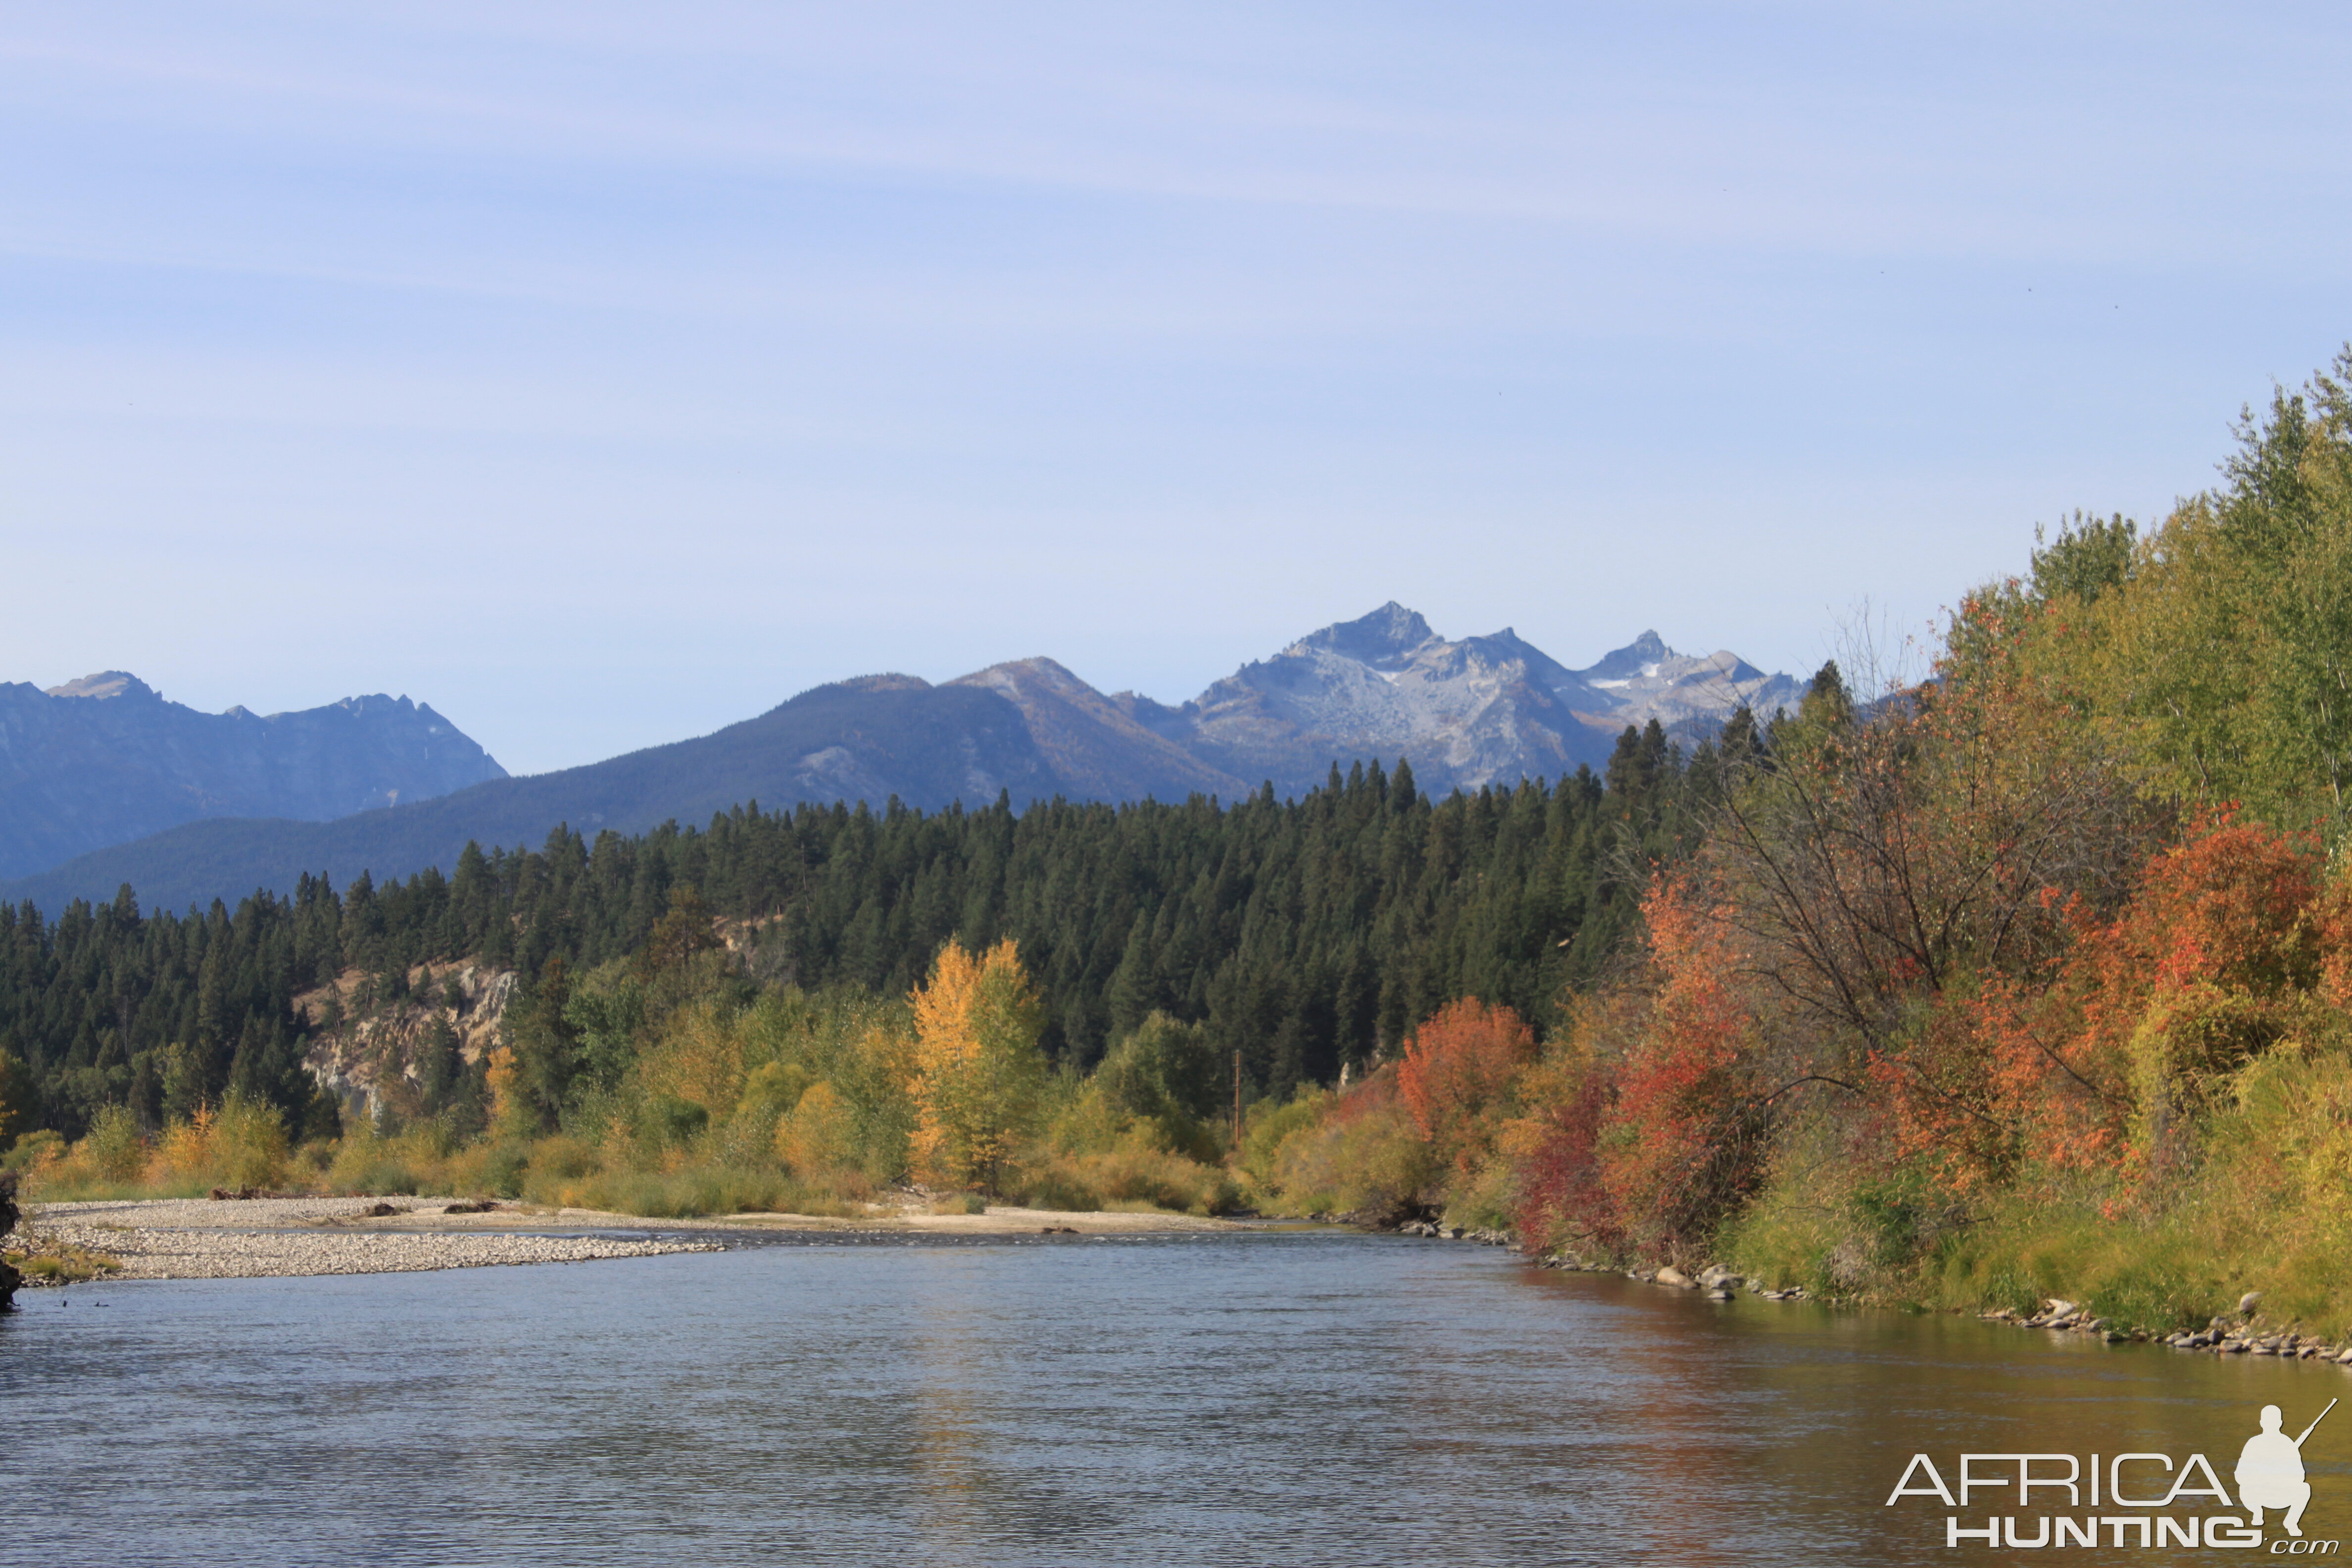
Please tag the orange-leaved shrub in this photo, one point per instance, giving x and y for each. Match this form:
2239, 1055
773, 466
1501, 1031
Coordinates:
2108, 1061
1686, 1136
1456, 1078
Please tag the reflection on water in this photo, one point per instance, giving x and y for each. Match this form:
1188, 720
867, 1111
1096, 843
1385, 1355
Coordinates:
1227, 1400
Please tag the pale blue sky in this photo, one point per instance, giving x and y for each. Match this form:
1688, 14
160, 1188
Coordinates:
604, 374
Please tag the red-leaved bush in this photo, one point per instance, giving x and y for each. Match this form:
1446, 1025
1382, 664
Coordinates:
1684, 1141
2099, 1064
1557, 1197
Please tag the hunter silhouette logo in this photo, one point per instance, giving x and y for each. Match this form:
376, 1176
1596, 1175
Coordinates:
2157, 1501
2270, 1472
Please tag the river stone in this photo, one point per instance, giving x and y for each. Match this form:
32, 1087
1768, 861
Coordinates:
2248, 1303
1670, 1274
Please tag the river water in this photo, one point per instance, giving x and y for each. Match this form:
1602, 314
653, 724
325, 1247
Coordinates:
1230, 1400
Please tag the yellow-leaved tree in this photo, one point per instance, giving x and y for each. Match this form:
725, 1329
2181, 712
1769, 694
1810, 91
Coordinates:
510, 1116
978, 1075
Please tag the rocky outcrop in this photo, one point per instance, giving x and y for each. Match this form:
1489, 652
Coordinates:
362, 1051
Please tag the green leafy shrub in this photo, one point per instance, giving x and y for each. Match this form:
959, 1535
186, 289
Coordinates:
1136, 1177
1364, 1156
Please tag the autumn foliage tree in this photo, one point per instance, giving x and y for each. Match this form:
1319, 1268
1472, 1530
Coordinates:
979, 1071
2113, 1060
1694, 1098
1357, 1150
1870, 860
1456, 1077
1565, 1102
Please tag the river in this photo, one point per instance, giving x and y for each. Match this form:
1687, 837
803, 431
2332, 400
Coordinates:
1227, 1400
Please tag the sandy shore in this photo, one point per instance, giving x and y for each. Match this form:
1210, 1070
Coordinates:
184, 1238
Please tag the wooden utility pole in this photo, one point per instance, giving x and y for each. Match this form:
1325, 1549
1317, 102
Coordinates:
1237, 1100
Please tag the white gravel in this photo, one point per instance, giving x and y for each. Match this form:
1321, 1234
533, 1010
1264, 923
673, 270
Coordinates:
199, 1238
195, 1239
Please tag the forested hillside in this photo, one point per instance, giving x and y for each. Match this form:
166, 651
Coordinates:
1305, 935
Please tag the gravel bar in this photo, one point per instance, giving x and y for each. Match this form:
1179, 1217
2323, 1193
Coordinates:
184, 1239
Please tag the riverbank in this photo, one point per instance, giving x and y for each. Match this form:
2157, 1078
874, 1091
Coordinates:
2245, 1332
196, 1238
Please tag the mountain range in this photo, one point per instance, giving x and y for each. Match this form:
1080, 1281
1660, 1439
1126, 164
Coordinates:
106, 759
1477, 712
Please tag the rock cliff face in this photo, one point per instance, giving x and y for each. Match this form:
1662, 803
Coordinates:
369, 1054
105, 758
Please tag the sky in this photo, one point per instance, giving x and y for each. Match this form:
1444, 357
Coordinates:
604, 374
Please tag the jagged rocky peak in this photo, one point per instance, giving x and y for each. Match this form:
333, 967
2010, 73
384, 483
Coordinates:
1385, 640
105, 683
1637, 659
1468, 713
